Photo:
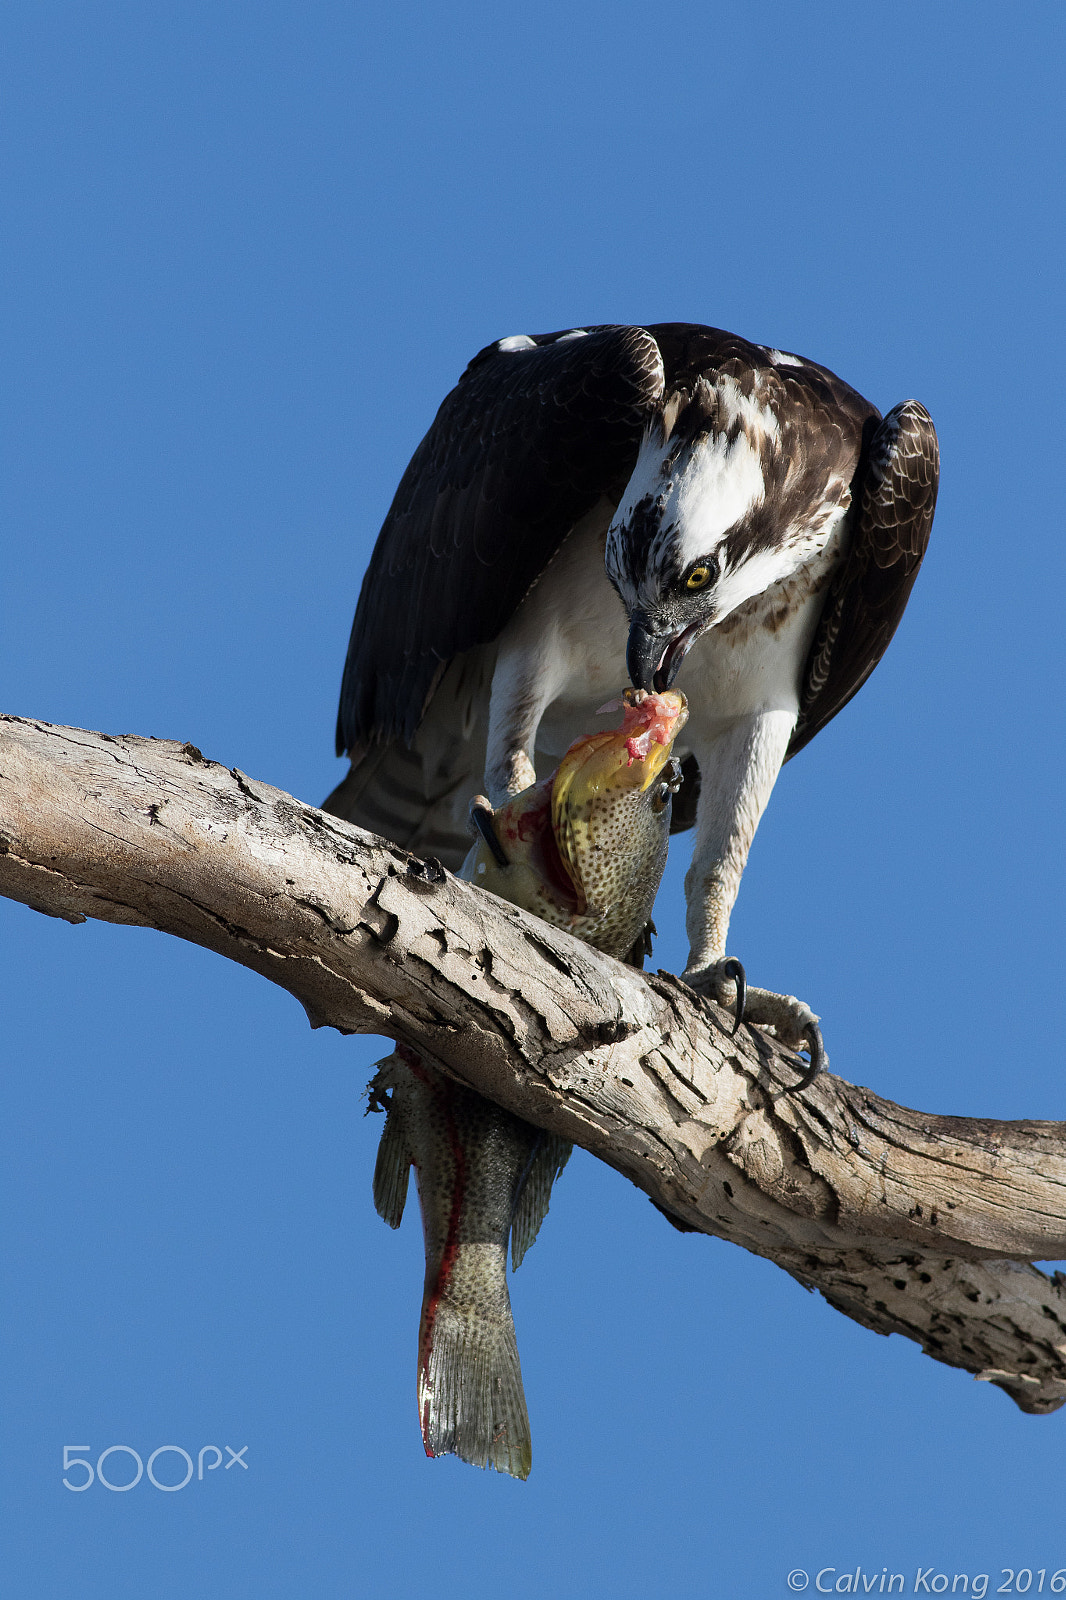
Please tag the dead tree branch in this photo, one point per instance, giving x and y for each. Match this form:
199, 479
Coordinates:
909, 1223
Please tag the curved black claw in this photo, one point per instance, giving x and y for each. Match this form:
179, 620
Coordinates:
640, 949
733, 969
819, 1060
481, 816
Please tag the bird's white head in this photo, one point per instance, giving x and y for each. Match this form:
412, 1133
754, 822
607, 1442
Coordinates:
696, 534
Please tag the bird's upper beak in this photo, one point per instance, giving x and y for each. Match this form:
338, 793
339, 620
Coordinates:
654, 656
643, 654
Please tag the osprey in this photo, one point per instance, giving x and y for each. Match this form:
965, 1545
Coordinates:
668, 500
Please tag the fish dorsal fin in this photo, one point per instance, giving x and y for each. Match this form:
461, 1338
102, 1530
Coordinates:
531, 1205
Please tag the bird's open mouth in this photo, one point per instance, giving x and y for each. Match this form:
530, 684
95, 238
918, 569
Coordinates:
672, 657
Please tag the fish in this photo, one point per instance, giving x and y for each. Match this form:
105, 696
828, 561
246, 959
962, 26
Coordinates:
585, 850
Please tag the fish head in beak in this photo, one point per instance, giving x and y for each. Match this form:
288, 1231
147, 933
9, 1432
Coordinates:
585, 849
611, 802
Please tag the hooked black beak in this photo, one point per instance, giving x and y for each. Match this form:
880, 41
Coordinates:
643, 654
653, 660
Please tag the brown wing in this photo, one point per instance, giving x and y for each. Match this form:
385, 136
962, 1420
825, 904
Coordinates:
897, 496
529, 440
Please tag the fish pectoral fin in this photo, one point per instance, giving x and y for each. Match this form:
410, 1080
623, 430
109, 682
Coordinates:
392, 1170
531, 1203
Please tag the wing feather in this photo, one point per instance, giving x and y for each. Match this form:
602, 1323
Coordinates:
528, 441
897, 496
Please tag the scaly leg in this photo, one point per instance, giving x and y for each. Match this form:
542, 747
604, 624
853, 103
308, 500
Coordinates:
738, 770
523, 686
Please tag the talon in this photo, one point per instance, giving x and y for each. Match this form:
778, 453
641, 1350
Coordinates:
733, 969
481, 816
819, 1060
640, 949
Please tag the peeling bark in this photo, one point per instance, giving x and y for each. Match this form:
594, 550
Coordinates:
906, 1222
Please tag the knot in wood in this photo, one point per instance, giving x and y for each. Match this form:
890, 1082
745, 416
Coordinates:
612, 1031
425, 877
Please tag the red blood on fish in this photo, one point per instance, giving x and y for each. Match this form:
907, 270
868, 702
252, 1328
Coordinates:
647, 718
443, 1093
536, 819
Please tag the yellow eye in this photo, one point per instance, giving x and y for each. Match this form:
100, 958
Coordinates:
698, 578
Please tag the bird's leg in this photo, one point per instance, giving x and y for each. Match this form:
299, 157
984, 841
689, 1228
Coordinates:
509, 775
738, 770
522, 687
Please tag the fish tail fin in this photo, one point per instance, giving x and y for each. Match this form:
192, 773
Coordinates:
531, 1207
470, 1397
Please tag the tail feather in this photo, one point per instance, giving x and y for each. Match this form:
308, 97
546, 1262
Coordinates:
417, 796
387, 794
470, 1397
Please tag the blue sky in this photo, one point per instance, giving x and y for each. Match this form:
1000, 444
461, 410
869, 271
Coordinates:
247, 250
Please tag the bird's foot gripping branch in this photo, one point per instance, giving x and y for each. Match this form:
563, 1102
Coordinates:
793, 1022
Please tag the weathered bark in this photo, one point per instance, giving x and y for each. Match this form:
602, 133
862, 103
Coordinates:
907, 1222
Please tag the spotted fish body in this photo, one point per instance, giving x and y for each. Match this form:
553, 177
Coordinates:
585, 850
587, 847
